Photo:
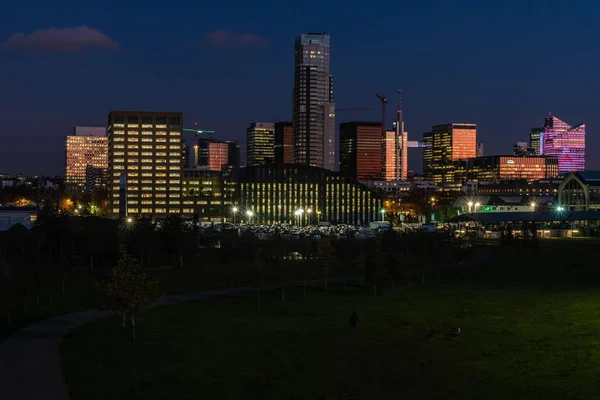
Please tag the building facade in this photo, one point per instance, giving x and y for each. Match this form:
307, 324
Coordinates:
207, 194
313, 107
260, 144
535, 140
212, 154
284, 143
88, 146
234, 153
95, 178
275, 193
565, 142
145, 156
580, 191
497, 168
446, 144
360, 150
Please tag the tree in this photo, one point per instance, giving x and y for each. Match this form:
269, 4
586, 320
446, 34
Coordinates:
128, 289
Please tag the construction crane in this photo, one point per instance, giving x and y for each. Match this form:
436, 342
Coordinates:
384, 101
197, 131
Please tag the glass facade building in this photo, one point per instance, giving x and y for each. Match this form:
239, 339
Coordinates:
274, 193
497, 168
284, 143
360, 150
88, 147
260, 144
444, 145
390, 154
145, 162
313, 108
212, 154
565, 142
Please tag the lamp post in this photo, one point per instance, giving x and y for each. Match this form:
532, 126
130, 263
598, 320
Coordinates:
318, 217
298, 214
249, 214
234, 211
470, 204
309, 212
477, 205
382, 214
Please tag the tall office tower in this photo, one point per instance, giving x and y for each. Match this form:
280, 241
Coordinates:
480, 152
87, 146
284, 143
535, 140
260, 144
234, 153
401, 144
360, 150
389, 156
144, 154
313, 107
565, 142
213, 154
450, 142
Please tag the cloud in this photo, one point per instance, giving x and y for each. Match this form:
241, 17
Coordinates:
65, 40
225, 38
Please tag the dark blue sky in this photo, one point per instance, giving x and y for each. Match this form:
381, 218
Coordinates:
502, 67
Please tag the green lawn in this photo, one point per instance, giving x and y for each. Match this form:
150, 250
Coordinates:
529, 320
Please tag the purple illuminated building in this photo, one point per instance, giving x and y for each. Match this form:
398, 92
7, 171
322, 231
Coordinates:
567, 143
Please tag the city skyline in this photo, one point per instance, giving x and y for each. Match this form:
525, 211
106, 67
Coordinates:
47, 85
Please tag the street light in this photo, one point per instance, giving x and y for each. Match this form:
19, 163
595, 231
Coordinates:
234, 210
477, 205
309, 211
382, 214
299, 213
129, 220
533, 205
249, 214
470, 204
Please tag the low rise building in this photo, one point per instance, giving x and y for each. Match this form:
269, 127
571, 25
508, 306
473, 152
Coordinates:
580, 191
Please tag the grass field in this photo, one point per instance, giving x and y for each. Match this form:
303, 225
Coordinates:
529, 321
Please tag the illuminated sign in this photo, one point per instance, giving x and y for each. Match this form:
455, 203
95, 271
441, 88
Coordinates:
510, 161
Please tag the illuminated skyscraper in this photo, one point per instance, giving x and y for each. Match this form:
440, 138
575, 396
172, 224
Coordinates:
389, 156
535, 140
313, 108
445, 144
360, 150
564, 142
260, 144
88, 146
144, 151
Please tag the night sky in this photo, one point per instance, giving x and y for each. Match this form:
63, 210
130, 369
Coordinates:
228, 63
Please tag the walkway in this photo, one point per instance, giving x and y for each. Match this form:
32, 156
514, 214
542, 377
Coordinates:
30, 367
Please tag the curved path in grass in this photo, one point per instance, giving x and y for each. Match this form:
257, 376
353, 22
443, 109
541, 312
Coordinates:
30, 367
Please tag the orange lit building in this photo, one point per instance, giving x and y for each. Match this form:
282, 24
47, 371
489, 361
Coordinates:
89, 146
499, 168
361, 150
448, 143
